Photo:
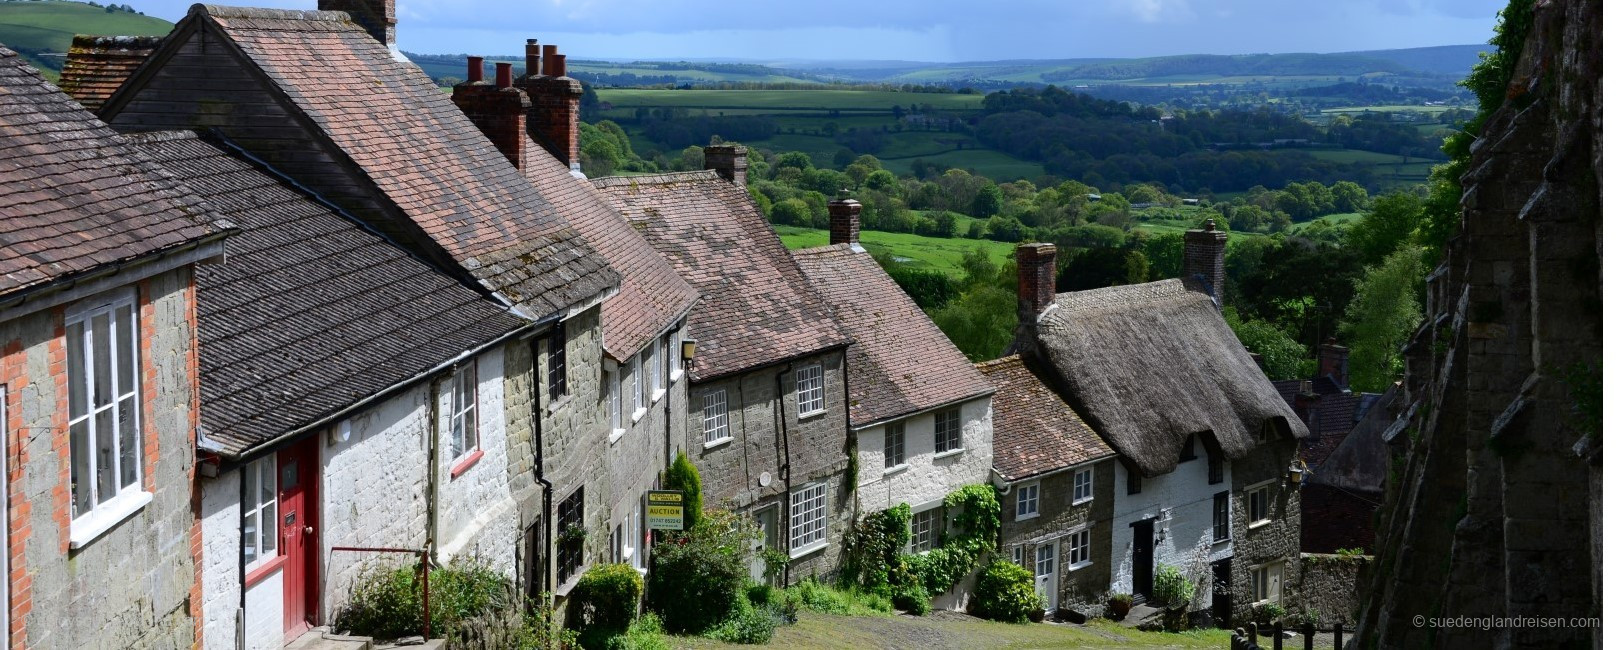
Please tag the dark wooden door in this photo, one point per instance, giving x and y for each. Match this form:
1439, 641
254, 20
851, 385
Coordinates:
1142, 558
297, 485
1221, 600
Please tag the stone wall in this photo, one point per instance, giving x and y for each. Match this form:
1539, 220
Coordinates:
1491, 513
1278, 540
133, 585
817, 450
636, 456
1059, 516
1329, 587
574, 430
927, 477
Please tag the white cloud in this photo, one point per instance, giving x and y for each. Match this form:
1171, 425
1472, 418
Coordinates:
1155, 11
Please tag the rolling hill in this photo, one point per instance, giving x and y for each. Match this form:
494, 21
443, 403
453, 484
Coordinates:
42, 30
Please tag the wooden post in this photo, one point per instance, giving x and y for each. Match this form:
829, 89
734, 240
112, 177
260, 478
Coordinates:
1338, 636
1254, 632
1276, 635
1310, 635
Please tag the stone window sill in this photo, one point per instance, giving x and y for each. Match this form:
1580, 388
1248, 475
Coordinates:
942, 455
636, 416
615, 435
676, 376
466, 463
1082, 565
658, 395
259, 573
104, 517
1259, 524
1027, 516
1082, 501
558, 404
807, 550
896, 469
812, 414
717, 442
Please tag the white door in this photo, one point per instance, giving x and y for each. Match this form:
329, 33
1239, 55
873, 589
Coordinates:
766, 519
1045, 577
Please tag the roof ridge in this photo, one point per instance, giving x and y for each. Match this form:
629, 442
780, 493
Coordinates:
87, 40
825, 249
148, 137
995, 363
657, 179
229, 11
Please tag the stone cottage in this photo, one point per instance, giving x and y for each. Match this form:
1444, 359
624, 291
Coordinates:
919, 412
767, 422
1205, 443
320, 97
534, 121
99, 251
1056, 477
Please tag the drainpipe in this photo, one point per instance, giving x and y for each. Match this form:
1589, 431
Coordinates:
433, 467
241, 567
540, 465
787, 466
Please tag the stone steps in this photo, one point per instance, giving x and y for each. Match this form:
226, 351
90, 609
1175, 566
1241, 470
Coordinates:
322, 638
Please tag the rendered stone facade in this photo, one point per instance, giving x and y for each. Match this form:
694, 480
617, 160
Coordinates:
1181, 507
927, 476
134, 584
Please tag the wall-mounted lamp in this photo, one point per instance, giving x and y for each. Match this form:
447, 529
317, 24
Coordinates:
688, 350
1296, 471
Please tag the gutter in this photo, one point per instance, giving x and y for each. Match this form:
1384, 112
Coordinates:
46, 295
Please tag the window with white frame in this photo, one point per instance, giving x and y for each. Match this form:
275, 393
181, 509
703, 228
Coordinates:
1266, 581
650, 368
1259, 505
620, 551
947, 431
894, 444
464, 411
716, 422
637, 398
259, 523
1079, 548
809, 389
1028, 504
655, 369
926, 528
1082, 484
1223, 517
807, 521
674, 355
637, 539
1018, 555
103, 402
615, 400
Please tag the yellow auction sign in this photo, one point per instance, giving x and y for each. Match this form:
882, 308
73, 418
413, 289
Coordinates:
665, 510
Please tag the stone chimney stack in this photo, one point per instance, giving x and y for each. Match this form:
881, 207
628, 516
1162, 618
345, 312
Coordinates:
1333, 360
377, 16
553, 104
844, 220
730, 161
1037, 280
498, 109
1203, 260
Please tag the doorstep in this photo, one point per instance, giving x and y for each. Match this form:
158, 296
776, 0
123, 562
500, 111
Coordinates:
322, 638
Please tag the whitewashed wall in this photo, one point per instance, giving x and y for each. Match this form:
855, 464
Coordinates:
477, 514
927, 478
221, 557
1184, 501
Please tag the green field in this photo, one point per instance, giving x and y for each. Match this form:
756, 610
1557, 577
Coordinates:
36, 29
1393, 170
914, 251
785, 99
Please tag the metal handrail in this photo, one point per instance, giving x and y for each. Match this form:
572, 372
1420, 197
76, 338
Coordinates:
426, 619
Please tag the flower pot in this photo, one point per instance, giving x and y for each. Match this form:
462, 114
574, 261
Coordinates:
1119, 608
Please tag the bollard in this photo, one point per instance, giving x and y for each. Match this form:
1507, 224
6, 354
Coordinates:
1338, 636
1309, 631
1276, 635
1254, 633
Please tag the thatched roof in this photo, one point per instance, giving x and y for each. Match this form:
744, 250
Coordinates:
1150, 364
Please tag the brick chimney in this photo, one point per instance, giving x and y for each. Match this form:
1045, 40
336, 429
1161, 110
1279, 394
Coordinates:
730, 161
553, 103
1037, 280
498, 109
844, 220
1203, 260
377, 16
1333, 360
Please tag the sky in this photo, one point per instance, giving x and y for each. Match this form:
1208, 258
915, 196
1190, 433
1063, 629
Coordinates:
918, 30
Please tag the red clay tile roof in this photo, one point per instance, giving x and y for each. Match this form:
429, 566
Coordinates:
421, 152
73, 194
757, 308
900, 362
1036, 432
311, 313
652, 296
98, 65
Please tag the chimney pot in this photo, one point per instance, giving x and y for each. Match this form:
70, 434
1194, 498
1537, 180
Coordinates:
1333, 360
844, 221
730, 161
376, 16
531, 58
559, 65
503, 75
1037, 282
1203, 259
547, 54
475, 69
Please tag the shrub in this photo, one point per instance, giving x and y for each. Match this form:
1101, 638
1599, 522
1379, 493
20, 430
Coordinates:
387, 601
830, 600
1271, 612
747, 624
940, 569
1171, 588
701, 572
609, 595
1005, 592
646, 633
913, 600
683, 475
880, 538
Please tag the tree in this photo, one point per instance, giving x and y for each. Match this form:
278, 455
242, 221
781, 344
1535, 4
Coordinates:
1281, 357
599, 158
792, 212
682, 475
1389, 225
1094, 268
987, 203
794, 159
1381, 318
1348, 197
980, 321
1163, 252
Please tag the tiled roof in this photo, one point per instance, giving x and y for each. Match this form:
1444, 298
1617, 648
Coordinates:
900, 362
311, 313
1331, 411
1036, 431
756, 307
652, 296
1332, 518
98, 65
73, 194
409, 139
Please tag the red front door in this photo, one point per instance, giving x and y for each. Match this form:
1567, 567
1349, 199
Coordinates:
300, 537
